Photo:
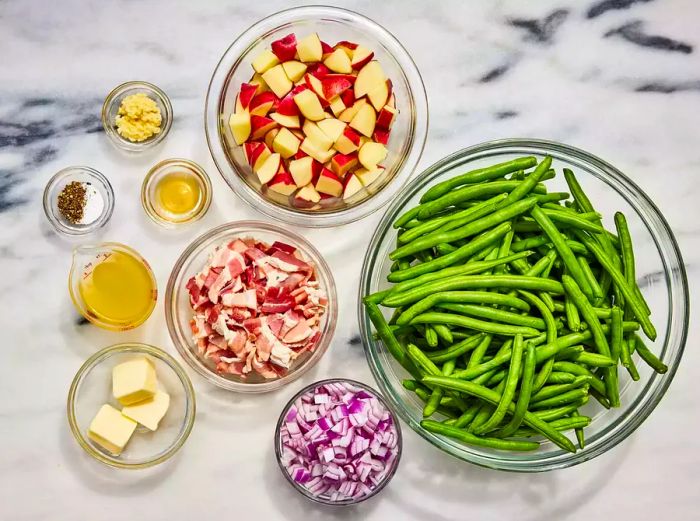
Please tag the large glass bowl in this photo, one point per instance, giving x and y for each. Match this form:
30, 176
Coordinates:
662, 280
408, 131
178, 312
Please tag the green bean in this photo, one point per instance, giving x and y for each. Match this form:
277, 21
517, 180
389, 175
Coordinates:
565, 253
425, 365
406, 217
526, 186
595, 360
484, 297
510, 387
467, 416
494, 398
576, 422
477, 176
467, 269
460, 217
504, 251
473, 282
496, 379
472, 323
611, 377
569, 353
549, 415
551, 196
586, 310
579, 370
649, 357
470, 193
580, 436
628, 257
471, 439
431, 336
596, 290
388, 338
501, 215
478, 353
558, 377
553, 390
600, 397
573, 320
436, 396
627, 362
497, 315
376, 298
443, 332
636, 304
463, 252
522, 404
572, 220
444, 248
456, 350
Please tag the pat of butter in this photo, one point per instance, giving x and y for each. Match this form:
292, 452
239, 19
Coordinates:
149, 412
134, 381
111, 429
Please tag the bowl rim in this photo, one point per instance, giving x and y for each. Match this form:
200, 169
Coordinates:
250, 227
251, 196
643, 407
116, 138
98, 223
193, 168
135, 347
304, 491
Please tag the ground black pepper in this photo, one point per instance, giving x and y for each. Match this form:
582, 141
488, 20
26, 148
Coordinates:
71, 201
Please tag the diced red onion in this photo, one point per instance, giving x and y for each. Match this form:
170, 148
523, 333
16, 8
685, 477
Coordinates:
338, 441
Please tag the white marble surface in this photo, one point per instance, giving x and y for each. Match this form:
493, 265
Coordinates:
627, 97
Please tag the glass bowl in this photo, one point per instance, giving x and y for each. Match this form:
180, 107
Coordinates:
92, 387
85, 258
80, 174
174, 166
326, 500
110, 108
408, 132
663, 282
178, 311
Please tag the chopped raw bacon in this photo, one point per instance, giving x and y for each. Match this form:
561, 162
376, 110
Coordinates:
256, 308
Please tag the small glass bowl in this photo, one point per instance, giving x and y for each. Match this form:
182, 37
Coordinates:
92, 387
665, 287
303, 490
171, 166
110, 109
178, 312
408, 132
81, 174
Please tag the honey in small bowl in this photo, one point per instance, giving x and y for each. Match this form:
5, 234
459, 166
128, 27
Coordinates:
176, 191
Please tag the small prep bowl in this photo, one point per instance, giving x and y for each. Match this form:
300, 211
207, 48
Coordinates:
82, 174
303, 490
170, 166
92, 387
662, 279
178, 311
333, 24
110, 109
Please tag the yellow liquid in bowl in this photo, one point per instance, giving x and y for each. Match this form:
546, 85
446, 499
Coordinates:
119, 290
177, 194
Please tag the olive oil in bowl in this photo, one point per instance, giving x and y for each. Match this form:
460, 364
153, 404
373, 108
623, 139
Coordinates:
112, 286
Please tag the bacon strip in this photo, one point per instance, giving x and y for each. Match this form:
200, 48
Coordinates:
256, 308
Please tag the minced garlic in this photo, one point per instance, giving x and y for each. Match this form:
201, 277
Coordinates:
138, 118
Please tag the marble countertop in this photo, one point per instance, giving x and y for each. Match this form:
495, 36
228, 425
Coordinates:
620, 78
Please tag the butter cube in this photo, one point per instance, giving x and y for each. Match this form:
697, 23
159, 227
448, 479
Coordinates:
134, 381
149, 412
111, 429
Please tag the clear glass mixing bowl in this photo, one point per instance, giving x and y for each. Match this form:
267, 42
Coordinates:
663, 283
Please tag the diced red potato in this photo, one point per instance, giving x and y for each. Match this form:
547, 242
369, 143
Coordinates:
256, 308
299, 87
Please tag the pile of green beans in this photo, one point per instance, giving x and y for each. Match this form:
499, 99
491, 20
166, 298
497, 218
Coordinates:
512, 307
